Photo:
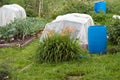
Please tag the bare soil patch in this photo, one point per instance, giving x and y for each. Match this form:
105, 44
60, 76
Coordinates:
74, 76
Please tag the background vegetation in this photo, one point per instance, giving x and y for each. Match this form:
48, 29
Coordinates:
52, 8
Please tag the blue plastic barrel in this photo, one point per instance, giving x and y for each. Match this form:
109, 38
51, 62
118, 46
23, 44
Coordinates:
100, 6
97, 39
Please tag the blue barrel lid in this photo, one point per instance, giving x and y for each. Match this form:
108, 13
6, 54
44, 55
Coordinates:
98, 26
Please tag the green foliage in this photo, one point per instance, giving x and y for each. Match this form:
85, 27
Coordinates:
2, 2
113, 7
114, 31
73, 6
21, 28
53, 8
101, 18
31, 7
58, 48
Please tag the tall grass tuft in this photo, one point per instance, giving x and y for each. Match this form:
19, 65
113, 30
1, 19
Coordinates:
58, 48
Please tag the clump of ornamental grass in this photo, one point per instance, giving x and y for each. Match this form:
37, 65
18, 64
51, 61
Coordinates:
58, 48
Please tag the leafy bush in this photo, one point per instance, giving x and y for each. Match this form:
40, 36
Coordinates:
73, 6
113, 7
31, 7
58, 48
114, 32
101, 18
21, 28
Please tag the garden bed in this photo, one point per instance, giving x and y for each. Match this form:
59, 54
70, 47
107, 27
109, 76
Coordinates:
22, 42
21, 32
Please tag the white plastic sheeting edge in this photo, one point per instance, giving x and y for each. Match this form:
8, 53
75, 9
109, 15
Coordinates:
116, 16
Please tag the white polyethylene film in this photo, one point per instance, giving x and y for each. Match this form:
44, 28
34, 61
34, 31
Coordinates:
9, 12
76, 21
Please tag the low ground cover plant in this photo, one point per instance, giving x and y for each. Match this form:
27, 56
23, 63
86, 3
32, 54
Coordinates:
20, 29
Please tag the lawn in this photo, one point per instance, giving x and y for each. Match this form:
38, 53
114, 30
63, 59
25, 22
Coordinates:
22, 66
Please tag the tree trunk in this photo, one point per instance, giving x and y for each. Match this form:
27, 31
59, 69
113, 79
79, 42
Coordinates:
40, 7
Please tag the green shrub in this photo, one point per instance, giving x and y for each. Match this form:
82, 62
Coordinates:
21, 28
73, 6
101, 18
31, 7
31, 13
113, 7
58, 48
114, 31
